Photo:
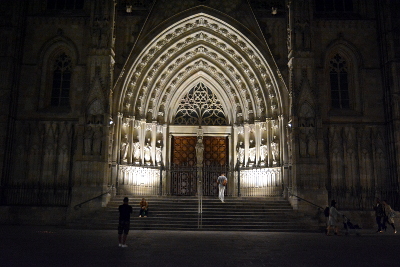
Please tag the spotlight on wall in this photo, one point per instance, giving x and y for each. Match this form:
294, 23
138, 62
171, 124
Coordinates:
274, 10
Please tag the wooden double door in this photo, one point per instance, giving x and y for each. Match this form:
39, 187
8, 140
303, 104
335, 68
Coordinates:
184, 171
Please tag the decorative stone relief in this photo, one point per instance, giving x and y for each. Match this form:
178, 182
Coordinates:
216, 29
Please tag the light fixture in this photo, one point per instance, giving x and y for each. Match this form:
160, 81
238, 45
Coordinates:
274, 10
128, 8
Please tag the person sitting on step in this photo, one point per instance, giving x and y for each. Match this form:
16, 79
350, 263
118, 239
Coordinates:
144, 208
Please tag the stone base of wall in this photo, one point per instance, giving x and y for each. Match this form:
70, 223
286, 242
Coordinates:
23, 215
88, 199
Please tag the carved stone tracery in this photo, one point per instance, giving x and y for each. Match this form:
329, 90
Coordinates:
180, 47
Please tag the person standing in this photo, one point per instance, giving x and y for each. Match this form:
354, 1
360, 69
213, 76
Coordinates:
222, 182
388, 215
333, 219
125, 211
379, 215
144, 206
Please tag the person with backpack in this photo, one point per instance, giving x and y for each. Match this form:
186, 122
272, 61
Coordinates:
389, 215
222, 181
333, 219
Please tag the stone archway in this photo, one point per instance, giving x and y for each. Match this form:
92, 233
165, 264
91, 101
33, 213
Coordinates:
200, 49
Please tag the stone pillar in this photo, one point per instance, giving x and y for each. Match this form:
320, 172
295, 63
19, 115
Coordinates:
199, 156
130, 138
309, 173
234, 146
117, 137
257, 135
166, 146
246, 144
153, 142
142, 139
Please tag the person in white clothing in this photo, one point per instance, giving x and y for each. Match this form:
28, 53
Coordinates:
222, 181
333, 219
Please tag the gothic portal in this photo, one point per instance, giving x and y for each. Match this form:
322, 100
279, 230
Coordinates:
200, 78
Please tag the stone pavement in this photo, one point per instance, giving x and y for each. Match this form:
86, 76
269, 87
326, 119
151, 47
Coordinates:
54, 246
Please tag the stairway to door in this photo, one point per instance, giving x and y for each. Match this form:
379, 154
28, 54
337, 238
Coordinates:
182, 213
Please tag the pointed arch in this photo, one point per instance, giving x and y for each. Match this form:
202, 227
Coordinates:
200, 106
56, 63
342, 64
215, 86
207, 47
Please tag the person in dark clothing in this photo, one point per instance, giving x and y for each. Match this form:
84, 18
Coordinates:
125, 211
387, 211
379, 216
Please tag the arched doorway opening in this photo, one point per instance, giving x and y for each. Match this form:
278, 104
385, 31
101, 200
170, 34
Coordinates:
199, 80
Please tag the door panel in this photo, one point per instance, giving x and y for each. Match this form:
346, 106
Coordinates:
215, 163
184, 169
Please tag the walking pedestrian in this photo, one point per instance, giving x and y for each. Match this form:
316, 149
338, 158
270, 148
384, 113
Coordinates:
333, 219
379, 215
222, 182
125, 211
389, 215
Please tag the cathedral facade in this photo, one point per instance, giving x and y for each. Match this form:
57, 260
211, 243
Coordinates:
289, 98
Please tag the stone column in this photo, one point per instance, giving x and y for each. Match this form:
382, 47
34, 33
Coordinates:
166, 146
117, 137
246, 144
308, 172
199, 156
233, 146
257, 136
153, 142
131, 126
142, 139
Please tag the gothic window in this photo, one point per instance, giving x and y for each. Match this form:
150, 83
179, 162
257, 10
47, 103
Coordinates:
200, 106
65, 4
61, 81
339, 83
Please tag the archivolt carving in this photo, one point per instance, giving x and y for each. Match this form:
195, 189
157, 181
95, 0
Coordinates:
169, 72
166, 63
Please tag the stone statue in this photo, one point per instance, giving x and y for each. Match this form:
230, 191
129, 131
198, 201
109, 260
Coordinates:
158, 154
199, 151
252, 154
124, 148
136, 151
303, 144
147, 153
263, 152
275, 149
88, 141
241, 155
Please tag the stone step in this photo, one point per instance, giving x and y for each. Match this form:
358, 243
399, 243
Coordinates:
181, 213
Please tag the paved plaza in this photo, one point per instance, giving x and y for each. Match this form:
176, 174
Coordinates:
54, 246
